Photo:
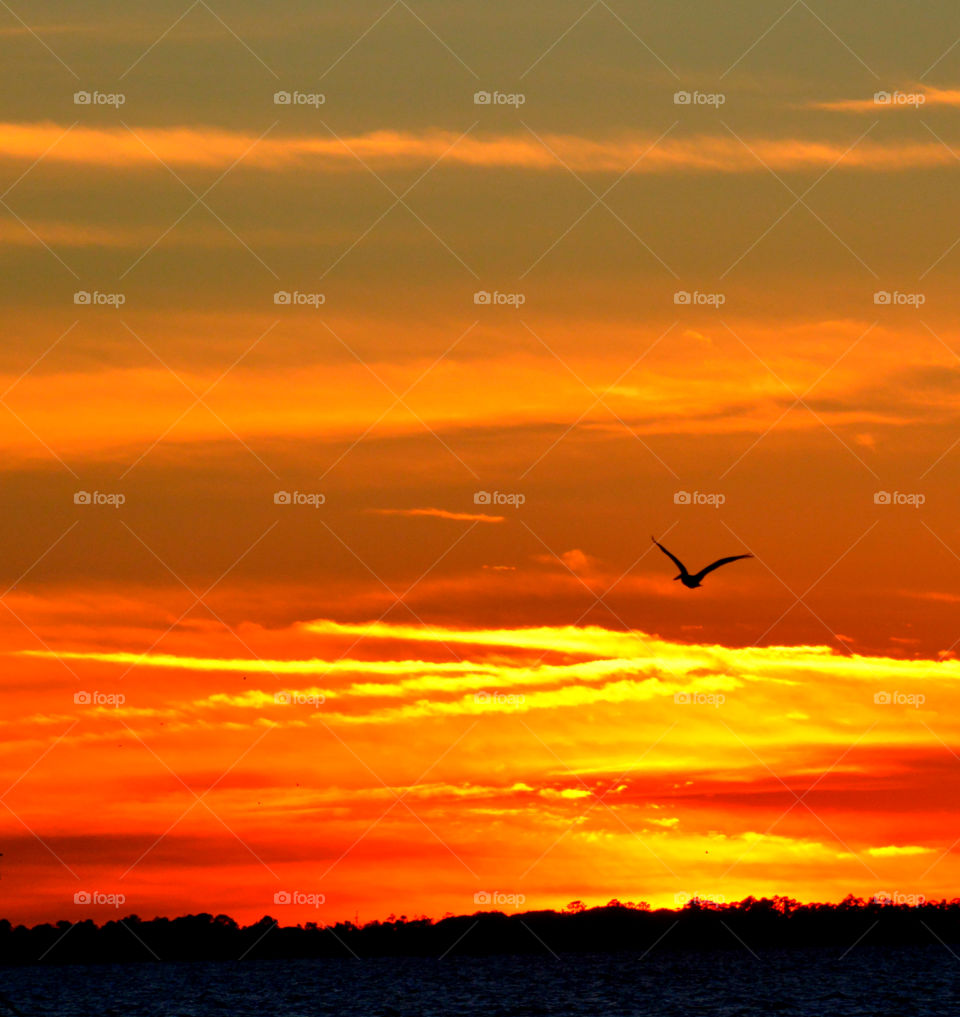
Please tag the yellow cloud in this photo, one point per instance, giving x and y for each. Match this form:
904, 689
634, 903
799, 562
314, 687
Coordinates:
895, 850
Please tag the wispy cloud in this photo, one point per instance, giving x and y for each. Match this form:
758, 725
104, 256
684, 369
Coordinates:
608, 653
118, 148
883, 101
435, 513
673, 742
896, 850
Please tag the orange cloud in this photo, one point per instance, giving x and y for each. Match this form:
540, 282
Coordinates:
464, 517
588, 749
339, 398
216, 148
910, 98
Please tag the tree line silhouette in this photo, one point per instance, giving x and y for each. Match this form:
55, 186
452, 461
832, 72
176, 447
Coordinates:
752, 924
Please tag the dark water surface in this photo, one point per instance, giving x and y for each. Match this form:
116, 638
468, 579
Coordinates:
868, 981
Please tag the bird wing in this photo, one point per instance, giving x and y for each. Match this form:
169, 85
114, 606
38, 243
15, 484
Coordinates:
676, 561
722, 561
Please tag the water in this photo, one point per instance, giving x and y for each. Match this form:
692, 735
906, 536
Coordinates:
868, 982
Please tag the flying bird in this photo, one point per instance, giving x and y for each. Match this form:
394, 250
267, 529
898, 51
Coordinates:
692, 581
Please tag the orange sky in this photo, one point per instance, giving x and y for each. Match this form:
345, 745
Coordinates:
400, 761
333, 434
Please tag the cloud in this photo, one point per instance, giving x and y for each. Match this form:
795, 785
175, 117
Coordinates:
257, 666
575, 560
338, 398
204, 235
570, 716
896, 851
909, 98
590, 665
149, 147
465, 517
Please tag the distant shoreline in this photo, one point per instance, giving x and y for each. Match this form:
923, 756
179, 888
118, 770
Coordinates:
752, 924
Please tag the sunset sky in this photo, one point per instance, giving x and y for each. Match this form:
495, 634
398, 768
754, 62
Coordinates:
326, 577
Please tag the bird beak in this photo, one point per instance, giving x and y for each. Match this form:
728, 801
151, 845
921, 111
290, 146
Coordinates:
675, 578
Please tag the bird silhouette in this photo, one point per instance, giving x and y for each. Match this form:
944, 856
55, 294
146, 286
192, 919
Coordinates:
693, 580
